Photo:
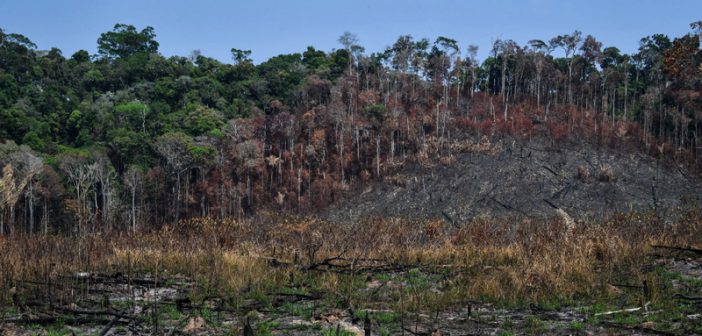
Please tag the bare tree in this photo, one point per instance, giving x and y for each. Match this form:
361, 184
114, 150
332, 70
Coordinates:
105, 176
350, 43
250, 155
133, 180
507, 50
569, 44
473, 64
539, 50
20, 166
175, 148
81, 176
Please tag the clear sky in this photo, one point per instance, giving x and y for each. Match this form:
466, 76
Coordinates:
272, 27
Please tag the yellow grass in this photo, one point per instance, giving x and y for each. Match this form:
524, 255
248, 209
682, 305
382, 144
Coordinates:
508, 261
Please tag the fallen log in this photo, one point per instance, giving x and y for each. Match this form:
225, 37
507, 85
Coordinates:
94, 312
627, 286
628, 310
688, 298
109, 326
678, 248
299, 297
326, 262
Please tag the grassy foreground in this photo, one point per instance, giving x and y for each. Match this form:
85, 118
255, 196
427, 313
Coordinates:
390, 275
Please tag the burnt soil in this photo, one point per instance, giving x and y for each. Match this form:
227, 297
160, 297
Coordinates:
527, 178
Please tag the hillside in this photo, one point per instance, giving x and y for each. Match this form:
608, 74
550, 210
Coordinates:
529, 178
128, 138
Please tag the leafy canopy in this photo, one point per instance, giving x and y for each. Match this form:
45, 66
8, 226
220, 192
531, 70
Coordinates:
124, 41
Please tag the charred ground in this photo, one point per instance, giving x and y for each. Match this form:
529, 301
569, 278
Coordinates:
533, 178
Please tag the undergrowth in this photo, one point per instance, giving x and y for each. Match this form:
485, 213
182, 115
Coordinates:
432, 265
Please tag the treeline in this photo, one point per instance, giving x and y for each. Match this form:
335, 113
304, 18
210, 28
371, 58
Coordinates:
129, 138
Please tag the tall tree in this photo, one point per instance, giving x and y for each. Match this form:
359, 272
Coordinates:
175, 148
125, 40
81, 173
133, 180
569, 43
353, 49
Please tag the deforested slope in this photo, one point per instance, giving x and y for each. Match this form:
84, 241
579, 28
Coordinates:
530, 178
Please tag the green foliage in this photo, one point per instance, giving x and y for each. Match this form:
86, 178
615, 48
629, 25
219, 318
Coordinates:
534, 325
332, 332
301, 309
507, 324
375, 113
67, 150
241, 56
128, 146
81, 56
132, 114
282, 74
58, 329
33, 140
216, 133
552, 304
576, 325
124, 40
203, 153
266, 328
171, 312
9, 89
201, 119
74, 119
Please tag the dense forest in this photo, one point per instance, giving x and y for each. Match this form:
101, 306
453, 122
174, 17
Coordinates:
127, 139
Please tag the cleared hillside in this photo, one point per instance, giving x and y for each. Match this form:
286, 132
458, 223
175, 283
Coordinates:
531, 177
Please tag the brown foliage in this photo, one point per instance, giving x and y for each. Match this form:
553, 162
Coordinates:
607, 174
583, 174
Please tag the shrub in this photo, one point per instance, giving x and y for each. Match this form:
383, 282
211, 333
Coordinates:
583, 174
607, 174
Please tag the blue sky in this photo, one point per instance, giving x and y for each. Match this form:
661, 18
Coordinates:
270, 27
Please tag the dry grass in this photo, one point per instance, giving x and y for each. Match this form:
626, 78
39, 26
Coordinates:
607, 174
507, 261
583, 174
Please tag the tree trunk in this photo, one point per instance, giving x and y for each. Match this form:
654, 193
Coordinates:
95, 211
186, 203
80, 210
570, 78
12, 218
105, 187
392, 145
472, 82
377, 155
31, 205
341, 154
133, 208
503, 80
45, 216
177, 200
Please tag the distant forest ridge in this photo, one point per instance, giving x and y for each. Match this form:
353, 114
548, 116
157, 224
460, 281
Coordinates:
128, 139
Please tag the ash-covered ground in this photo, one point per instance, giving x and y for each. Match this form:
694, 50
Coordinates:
528, 178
